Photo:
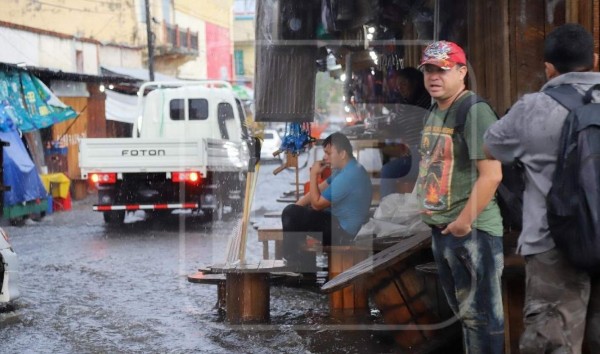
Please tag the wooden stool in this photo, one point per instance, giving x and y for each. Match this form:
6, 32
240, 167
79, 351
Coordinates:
247, 290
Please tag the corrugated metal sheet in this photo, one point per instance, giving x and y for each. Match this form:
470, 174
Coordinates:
285, 84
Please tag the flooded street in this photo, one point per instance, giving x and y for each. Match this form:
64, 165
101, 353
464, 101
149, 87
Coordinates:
88, 288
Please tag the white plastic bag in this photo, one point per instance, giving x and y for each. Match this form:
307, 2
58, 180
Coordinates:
398, 215
398, 208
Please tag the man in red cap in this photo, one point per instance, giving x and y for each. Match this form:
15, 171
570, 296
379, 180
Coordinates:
456, 190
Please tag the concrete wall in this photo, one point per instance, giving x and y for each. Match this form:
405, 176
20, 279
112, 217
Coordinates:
123, 57
52, 52
13, 50
243, 30
107, 21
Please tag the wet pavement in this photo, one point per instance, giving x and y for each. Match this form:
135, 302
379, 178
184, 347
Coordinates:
88, 288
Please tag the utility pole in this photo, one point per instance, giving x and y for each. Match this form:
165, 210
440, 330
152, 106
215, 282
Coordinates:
150, 36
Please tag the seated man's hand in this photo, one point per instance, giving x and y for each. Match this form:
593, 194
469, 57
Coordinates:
317, 168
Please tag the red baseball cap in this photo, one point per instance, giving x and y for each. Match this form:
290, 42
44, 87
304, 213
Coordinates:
443, 54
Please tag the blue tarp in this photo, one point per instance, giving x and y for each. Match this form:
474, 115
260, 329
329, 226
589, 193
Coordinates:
29, 103
19, 172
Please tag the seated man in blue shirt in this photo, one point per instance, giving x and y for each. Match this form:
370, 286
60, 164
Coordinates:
332, 211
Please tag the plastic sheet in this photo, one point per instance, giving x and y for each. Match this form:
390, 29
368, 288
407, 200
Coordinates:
397, 215
42, 108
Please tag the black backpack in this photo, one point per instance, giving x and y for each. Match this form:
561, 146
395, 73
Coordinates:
510, 191
574, 199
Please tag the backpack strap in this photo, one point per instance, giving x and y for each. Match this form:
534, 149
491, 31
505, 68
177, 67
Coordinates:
463, 110
589, 94
566, 95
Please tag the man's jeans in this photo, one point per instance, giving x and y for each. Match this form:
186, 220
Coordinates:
470, 270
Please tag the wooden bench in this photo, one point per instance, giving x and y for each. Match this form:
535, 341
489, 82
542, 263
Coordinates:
397, 289
270, 229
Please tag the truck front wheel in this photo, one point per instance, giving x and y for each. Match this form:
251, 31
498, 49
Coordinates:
114, 217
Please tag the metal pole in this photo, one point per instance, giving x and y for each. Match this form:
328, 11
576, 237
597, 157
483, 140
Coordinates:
436, 21
150, 35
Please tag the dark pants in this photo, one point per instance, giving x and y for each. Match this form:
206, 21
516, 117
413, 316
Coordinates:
299, 222
470, 270
562, 306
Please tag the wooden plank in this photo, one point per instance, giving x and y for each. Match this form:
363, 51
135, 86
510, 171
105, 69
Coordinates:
394, 309
556, 14
69, 132
288, 200
96, 127
265, 249
278, 249
503, 68
383, 259
596, 25
228, 268
513, 289
269, 264
201, 278
572, 10
270, 224
270, 229
347, 292
530, 34
336, 300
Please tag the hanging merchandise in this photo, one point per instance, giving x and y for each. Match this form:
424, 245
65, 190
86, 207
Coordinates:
297, 137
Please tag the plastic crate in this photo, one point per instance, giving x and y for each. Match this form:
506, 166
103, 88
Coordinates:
61, 204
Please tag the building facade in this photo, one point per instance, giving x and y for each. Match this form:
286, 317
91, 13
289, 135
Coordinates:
82, 35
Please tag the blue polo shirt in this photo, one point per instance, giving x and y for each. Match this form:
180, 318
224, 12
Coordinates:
350, 192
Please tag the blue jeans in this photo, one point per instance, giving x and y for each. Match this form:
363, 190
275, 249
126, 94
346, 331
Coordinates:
470, 270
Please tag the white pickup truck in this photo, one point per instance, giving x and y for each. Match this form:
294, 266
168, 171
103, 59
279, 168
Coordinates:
189, 151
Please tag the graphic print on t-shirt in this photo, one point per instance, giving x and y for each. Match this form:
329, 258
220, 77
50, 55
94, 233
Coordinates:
435, 172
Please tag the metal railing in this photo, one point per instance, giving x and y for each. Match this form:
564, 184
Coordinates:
180, 38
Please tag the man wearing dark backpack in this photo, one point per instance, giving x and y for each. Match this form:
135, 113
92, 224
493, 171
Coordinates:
562, 301
456, 189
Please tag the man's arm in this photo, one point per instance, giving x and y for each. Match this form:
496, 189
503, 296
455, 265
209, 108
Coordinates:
502, 140
484, 189
317, 201
305, 199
